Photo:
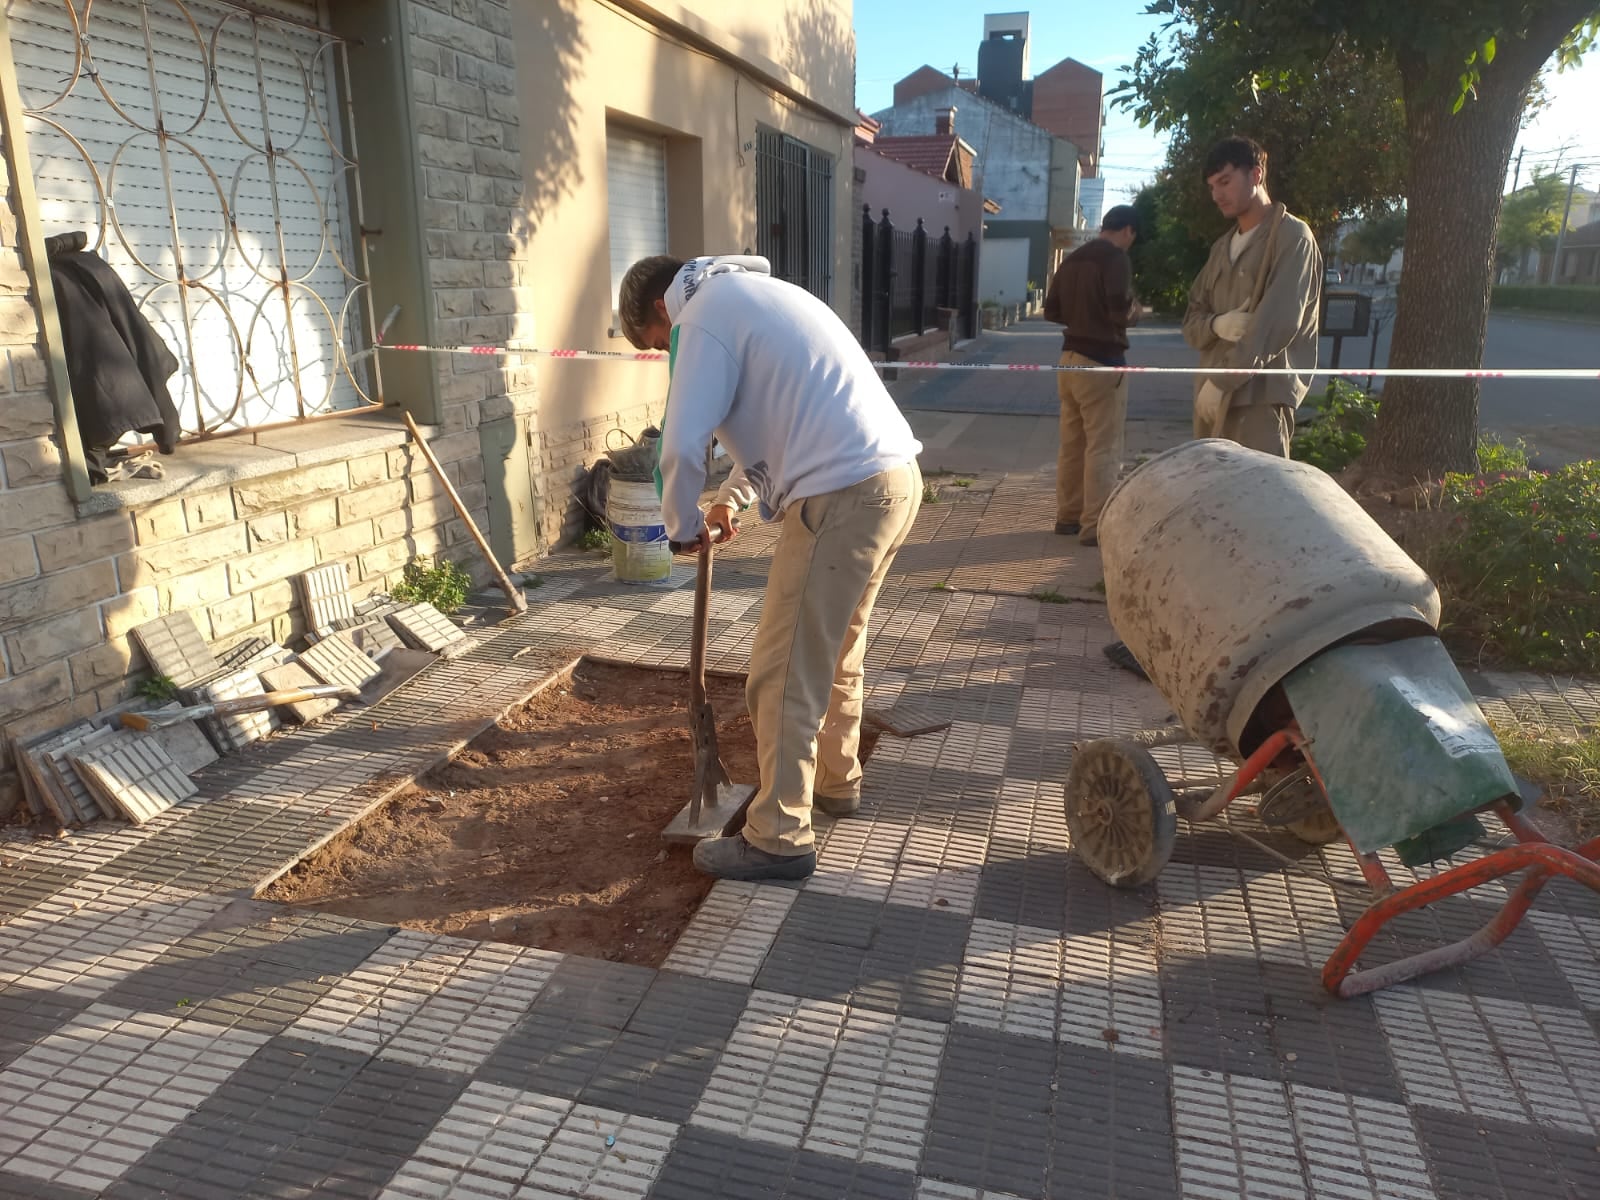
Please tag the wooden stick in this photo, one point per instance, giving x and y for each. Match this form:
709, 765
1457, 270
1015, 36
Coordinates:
243, 704
514, 595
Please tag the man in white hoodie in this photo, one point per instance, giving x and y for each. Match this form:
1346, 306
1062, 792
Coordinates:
817, 443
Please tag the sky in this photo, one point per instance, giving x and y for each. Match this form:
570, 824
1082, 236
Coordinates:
895, 37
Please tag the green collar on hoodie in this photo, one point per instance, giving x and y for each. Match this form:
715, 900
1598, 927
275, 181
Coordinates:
672, 360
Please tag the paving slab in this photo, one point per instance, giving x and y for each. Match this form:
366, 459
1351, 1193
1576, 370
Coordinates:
951, 1008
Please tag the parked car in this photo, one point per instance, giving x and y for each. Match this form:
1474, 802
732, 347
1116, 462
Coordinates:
1331, 275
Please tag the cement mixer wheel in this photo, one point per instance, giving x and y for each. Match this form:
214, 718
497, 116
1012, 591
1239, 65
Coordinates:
1120, 812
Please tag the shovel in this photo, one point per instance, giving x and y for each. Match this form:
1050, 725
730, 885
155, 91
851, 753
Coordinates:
716, 805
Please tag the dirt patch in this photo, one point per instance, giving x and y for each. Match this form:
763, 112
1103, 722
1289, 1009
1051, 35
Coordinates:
545, 831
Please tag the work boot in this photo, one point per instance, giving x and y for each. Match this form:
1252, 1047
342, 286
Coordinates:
735, 858
1067, 528
836, 806
1089, 539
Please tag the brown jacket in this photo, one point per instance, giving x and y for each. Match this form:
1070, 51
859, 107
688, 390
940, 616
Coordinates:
1092, 295
1284, 325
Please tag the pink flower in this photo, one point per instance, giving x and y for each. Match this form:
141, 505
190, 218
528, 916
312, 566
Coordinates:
1561, 539
1594, 537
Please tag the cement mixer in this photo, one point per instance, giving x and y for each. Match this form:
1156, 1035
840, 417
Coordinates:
1295, 640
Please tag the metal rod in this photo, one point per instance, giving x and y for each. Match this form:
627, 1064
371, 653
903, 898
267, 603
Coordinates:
31, 241
271, 154
514, 597
172, 212
359, 217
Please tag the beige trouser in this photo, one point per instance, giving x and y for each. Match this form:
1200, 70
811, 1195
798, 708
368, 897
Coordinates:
1265, 427
805, 686
1094, 411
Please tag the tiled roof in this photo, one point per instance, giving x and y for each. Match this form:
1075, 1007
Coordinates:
928, 153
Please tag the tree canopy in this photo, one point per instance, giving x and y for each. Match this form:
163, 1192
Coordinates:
1463, 72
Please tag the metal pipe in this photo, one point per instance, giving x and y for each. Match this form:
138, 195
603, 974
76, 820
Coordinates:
31, 241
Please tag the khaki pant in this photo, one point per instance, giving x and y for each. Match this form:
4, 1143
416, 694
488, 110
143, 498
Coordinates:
805, 686
1264, 427
1094, 411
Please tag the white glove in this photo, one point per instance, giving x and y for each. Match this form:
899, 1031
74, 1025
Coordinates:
1231, 326
1210, 403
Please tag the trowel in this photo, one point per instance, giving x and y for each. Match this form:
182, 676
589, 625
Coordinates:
716, 805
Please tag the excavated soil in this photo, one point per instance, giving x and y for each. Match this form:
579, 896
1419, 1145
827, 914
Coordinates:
545, 831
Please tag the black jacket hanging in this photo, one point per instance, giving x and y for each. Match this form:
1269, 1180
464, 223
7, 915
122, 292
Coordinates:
117, 363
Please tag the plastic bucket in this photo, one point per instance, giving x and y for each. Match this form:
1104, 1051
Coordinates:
639, 550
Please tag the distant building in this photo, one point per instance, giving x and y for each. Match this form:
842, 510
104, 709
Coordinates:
1037, 145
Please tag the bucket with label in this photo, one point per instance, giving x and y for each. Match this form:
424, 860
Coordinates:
639, 550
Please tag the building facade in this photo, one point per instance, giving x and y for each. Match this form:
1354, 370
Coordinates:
305, 179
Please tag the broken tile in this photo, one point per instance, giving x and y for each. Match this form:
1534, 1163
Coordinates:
325, 593
234, 731
174, 648
133, 774
424, 627
288, 677
336, 659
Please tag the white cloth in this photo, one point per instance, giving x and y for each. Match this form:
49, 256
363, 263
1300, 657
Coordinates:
1241, 239
776, 376
1210, 403
1231, 326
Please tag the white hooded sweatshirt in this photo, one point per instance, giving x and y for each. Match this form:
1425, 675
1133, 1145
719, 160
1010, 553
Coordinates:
773, 373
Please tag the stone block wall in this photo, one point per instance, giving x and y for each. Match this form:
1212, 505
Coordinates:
72, 586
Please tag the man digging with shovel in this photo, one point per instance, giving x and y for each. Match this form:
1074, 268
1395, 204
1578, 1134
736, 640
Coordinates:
777, 378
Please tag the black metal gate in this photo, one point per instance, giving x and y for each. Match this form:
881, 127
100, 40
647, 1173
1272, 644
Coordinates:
794, 211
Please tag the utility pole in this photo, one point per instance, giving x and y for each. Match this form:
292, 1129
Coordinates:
1561, 234
1517, 174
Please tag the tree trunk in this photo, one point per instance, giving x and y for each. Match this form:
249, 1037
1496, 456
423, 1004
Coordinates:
1458, 163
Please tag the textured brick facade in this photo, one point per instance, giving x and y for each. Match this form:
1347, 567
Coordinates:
72, 586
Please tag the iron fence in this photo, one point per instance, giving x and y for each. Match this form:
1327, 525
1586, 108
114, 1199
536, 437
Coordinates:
906, 278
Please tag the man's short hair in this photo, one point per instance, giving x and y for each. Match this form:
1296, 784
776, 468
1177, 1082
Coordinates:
646, 282
1242, 152
1123, 216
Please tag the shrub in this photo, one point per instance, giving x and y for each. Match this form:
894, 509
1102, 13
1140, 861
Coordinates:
1497, 458
1337, 435
443, 584
1519, 564
1567, 298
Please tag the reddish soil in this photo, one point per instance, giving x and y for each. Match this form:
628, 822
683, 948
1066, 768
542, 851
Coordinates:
545, 831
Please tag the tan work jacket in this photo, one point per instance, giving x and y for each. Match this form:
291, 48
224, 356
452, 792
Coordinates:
1284, 324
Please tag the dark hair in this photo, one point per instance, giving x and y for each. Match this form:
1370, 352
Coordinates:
1235, 151
646, 282
1123, 216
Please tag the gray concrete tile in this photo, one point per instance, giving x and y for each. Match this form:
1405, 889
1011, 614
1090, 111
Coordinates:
1479, 1158
704, 1163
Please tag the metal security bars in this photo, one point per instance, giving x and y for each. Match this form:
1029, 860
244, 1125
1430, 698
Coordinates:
206, 149
908, 277
794, 211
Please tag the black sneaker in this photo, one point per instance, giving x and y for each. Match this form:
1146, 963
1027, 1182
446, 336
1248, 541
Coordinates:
735, 858
1068, 528
1121, 656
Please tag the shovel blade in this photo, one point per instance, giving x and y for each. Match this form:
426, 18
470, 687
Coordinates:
716, 815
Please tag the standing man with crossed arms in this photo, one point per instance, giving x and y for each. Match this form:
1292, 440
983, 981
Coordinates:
1255, 304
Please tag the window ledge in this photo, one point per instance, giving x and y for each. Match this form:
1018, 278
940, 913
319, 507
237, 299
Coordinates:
219, 462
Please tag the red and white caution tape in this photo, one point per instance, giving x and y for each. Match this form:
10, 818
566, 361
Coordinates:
1589, 373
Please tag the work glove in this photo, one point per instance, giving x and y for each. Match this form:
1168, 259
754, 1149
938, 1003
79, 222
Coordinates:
1231, 326
1210, 405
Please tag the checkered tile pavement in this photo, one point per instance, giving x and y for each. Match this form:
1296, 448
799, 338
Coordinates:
952, 1008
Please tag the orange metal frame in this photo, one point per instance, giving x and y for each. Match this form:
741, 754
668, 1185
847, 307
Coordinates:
1533, 853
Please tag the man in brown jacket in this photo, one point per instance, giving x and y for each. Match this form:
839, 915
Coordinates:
1092, 295
1254, 304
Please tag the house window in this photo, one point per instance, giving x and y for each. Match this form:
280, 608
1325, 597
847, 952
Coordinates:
636, 195
794, 211
233, 229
